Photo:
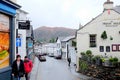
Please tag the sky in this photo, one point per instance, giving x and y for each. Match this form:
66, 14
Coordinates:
62, 13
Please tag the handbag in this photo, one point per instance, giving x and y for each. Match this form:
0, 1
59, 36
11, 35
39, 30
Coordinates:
22, 78
21, 74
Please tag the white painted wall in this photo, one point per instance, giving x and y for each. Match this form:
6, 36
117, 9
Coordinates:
97, 27
22, 49
21, 15
14, 1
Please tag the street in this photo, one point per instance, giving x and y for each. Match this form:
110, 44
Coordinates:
54, 69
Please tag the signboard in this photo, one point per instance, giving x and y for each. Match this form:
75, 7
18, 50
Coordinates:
111, 23
18, 42
30, 45
4, 40
24, 25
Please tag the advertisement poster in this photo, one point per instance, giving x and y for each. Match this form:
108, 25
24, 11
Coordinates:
4, 41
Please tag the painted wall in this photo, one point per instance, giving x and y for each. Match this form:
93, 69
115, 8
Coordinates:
21, 16
97, 27
14, 1
22, 48
109, 22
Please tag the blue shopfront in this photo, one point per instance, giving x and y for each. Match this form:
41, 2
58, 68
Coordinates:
7, 37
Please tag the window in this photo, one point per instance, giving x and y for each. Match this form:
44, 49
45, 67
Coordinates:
92, 40
119, 47
101, 48
107, 48
114, 47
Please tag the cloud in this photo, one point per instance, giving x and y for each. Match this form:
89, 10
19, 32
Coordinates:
67, 4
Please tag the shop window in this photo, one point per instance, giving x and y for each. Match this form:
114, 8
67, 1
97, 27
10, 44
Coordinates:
101, 48
107, 48
4, 40
92, 40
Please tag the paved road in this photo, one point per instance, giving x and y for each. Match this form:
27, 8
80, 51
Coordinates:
54, 69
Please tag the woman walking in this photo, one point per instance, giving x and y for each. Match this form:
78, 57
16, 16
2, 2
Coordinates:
28, 67
18, 68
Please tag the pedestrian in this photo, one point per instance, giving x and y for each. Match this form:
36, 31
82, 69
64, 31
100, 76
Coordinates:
18, 68
28, 67
69, 61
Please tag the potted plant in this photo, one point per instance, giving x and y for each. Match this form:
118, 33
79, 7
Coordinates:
89, 55
115, 61
111, 38
89, 52
98, 60
104, 35
83, 56
111, 60
93, 60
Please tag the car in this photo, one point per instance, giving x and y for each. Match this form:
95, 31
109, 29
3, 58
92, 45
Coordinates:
44, 54
51, 54
42, 58
58, 57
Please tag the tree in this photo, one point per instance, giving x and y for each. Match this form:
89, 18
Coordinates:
52, 40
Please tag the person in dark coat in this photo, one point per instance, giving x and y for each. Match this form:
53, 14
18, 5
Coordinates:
18, 68
69, 61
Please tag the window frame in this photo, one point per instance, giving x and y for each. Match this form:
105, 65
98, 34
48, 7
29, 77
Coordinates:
109, 49
115, 45
92, 42
100, 48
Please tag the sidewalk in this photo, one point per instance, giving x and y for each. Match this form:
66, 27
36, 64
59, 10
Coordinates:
34, 72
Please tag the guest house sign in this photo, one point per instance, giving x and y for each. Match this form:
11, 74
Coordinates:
111, 23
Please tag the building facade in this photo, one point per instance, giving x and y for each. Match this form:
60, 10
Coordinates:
102, 34
7, 37
21, 15
66, 48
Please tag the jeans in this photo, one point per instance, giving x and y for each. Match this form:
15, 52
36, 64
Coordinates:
18, 78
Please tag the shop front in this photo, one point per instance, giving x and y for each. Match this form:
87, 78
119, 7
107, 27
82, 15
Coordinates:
7, 37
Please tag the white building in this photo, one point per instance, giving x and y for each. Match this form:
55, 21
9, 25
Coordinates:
66, 48
107, 23
21, 33
14, 1
49, 48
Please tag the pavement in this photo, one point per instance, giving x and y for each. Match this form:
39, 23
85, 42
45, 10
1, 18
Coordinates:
54, 69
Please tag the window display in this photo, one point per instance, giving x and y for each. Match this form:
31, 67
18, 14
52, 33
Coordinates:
4, 40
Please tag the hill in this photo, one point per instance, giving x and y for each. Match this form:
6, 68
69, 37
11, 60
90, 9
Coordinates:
45, 34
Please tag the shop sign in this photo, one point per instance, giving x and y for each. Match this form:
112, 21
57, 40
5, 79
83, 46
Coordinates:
111, 23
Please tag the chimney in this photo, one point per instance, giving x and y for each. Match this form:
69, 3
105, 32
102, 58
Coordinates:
108, 5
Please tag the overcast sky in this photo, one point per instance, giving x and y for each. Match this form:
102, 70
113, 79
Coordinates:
62, 13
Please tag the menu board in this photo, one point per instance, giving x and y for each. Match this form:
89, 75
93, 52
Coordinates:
4, 40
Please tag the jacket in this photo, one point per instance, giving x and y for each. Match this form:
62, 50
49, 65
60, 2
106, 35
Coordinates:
15, 71
28, 66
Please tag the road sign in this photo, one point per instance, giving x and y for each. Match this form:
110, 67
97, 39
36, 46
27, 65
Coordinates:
18, 42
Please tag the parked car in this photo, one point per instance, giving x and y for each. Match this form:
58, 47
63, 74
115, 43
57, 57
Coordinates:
51, 54
44, 54
42, 58
58, 57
